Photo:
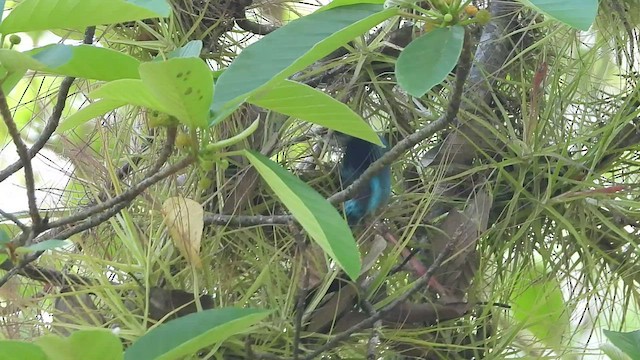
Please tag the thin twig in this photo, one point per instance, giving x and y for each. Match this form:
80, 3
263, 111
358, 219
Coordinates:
167, 149
54, 119
464, 66
50, 276
246, 220
15, 220
255, 28
374, 339
25, 160
302, 293
124, 200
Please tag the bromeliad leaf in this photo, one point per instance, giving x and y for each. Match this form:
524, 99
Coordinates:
322, 221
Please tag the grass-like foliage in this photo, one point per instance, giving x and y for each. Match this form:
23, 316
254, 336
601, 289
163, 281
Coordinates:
173, 169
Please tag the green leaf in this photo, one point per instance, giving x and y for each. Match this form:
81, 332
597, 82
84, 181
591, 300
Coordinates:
427, 60
2, 7
130, 91
82, 61
579, 14
18, 350
628, 342
88, 62
32, 15
183, 84
82, 345
87, 113
539, 305
190, 333
52, 56
304, 102
4, 237
11, 78
42, 246
338, 3
613, 352
190, 49
13, 60
290, 49
323, 222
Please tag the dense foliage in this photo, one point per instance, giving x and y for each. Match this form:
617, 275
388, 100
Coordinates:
197, 208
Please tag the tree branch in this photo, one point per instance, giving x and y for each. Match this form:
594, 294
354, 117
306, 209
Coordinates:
414, 139
54, 119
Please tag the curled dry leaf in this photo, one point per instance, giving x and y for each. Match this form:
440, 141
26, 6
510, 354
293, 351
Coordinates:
185, 221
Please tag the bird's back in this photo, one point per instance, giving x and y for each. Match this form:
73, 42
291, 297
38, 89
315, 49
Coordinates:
358, 156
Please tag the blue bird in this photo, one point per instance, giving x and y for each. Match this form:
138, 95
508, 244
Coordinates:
358, 156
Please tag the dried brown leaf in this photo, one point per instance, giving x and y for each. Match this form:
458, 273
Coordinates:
185, 220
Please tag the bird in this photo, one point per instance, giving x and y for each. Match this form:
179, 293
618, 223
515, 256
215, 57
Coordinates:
358, 156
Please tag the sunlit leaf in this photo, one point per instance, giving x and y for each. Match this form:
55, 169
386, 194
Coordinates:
16, 60
306, 103
130, 91
82, 345
185, 85
79, 61
88, 62
31, 15
323, 222
11, 77
18, 350
91, 111
538, 304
